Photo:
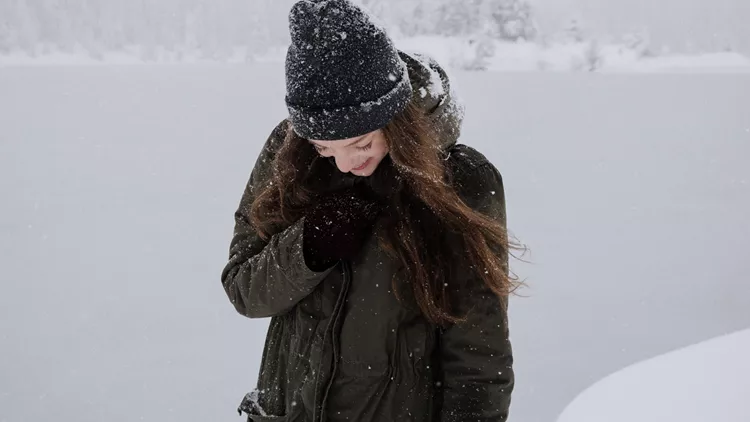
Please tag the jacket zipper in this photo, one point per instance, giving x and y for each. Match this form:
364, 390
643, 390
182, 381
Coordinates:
334, 328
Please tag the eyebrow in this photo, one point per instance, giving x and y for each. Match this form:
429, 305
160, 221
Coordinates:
356, 141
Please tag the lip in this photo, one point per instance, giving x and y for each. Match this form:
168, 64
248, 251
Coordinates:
364, 165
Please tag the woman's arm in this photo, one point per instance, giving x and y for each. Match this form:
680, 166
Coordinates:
264, 279
476, 355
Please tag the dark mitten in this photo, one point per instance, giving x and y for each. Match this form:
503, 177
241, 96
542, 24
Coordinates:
337, 227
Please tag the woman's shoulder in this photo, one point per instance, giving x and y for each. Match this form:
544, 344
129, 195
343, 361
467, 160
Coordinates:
463, 160
262, 168
277, 136
274, 142
472, 174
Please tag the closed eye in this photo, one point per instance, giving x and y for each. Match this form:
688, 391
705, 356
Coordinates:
322, 149
319, 148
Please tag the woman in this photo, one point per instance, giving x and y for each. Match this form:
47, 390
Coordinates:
375, 242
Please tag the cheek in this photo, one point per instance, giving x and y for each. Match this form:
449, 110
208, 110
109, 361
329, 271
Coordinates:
379, 151
379, 156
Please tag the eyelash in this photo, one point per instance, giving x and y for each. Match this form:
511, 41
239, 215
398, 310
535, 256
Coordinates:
364, 148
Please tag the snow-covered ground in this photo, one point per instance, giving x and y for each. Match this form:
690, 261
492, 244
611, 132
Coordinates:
709, 381
118, 185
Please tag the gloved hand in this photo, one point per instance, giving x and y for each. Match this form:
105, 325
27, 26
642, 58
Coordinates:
337, 226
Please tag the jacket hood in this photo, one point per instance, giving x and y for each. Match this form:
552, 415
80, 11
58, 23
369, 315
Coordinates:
432, 92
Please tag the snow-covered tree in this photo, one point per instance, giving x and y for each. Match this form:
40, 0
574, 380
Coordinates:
574, 30
213, 28
456, 17
513, 19
639, 43
500, 19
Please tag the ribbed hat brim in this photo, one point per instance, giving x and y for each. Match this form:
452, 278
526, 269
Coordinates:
351, 121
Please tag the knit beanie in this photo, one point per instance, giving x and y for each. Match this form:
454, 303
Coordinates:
344, 76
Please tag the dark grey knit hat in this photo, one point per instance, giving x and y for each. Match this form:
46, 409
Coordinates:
344, 77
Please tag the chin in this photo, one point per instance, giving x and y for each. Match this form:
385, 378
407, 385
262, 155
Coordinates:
366, 173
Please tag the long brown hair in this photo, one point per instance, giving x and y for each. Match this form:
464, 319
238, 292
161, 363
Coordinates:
426, 220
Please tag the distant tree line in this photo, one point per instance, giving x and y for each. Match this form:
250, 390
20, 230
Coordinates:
214, 27
501, 19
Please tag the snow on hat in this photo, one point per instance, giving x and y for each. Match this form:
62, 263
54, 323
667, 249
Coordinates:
344, 76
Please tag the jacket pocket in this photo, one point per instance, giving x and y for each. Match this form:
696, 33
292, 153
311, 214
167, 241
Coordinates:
268, 418
255, 412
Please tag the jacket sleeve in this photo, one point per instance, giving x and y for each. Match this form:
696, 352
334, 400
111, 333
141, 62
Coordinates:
476, 355
264, 279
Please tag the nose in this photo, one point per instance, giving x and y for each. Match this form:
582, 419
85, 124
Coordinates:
345, 163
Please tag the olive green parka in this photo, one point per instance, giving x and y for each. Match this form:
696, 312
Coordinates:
340, 346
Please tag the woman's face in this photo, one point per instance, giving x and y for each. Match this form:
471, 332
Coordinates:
360, 155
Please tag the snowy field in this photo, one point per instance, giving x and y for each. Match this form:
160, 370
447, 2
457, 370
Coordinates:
708, 381
118, 186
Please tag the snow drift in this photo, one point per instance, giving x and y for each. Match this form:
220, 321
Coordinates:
709, 381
